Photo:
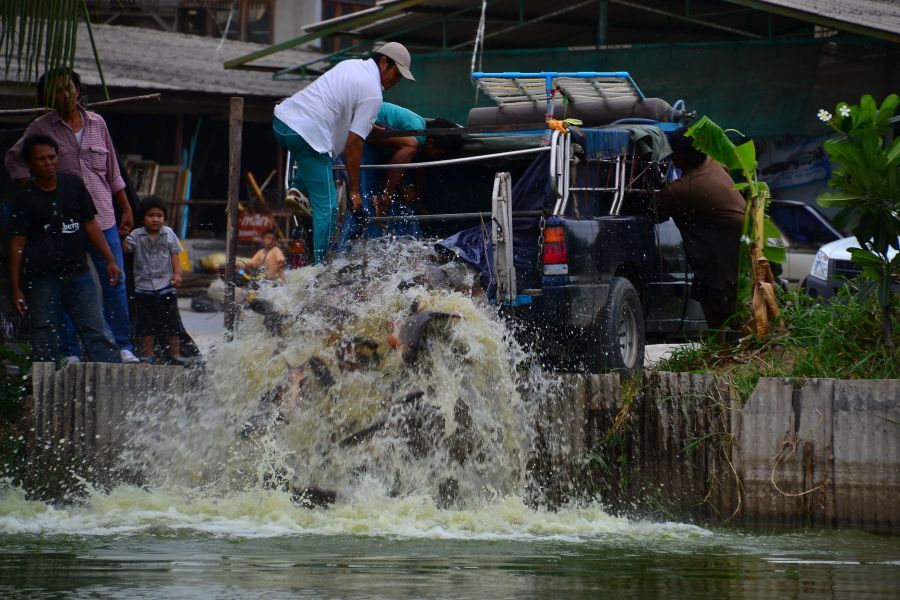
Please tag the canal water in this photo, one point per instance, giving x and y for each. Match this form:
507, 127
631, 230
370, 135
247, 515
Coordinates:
367, 435
135, 543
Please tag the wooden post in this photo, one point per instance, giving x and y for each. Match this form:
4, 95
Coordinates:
235, 124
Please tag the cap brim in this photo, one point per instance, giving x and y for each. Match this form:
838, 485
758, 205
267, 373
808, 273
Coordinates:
405, 72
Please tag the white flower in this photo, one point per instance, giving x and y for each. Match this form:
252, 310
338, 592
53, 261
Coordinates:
844, 110
824, 115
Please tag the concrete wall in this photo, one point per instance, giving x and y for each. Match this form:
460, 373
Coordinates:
826, 452
820, 453
75, 416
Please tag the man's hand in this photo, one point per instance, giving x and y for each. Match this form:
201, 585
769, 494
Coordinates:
356, 200
126, 224
18, 300
113, 272
176, 279
381, 202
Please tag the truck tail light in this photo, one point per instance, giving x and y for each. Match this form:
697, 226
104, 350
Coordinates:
297, 251
556, 257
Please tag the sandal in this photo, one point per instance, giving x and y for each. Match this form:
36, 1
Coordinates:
298, 204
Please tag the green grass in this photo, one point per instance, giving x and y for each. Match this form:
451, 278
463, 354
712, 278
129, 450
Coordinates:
841, 340
14, 363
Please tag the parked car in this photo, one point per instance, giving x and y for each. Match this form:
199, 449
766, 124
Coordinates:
833, 268
803, 231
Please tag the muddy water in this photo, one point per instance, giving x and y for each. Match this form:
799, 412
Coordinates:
418, 438
135, 543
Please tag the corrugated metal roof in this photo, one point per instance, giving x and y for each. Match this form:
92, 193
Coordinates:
154, 60
875, 15
516, 24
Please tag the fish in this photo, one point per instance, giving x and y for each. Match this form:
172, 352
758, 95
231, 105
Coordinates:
367, 432
311, 497
410, 332
453, 276
275, 322
278, 403
356, 352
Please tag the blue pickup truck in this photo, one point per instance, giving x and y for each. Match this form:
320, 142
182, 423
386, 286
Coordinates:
574, 251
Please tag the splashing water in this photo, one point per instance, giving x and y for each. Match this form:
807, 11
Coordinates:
329, 386
329, 395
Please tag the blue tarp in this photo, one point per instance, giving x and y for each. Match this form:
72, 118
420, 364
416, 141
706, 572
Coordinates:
531, 192
606, 143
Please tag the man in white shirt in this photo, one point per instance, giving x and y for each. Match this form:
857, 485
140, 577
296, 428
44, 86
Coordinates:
334, 114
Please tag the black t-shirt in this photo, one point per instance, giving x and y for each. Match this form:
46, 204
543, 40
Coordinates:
52, 223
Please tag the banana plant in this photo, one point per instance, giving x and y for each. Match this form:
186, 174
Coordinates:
867, 179
37, 36
761, 242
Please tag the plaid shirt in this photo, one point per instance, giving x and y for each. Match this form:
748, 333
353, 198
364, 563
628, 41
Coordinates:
94, 160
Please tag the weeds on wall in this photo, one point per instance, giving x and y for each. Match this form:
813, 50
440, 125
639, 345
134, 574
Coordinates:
15, 363
840, 340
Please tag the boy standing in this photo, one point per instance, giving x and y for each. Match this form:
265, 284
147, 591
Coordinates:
157, 273
51, 217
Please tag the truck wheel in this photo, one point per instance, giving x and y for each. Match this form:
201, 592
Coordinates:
622, 345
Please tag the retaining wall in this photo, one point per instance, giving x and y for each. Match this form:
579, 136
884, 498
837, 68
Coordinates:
820, 453
75, 414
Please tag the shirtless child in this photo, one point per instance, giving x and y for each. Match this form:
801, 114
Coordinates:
269, 257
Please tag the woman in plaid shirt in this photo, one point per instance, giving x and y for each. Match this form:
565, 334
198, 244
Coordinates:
86, 150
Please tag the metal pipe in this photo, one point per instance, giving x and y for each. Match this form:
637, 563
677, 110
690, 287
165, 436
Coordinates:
449, 161
93, 105
450, 217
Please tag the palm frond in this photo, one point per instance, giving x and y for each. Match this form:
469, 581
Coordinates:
41, 35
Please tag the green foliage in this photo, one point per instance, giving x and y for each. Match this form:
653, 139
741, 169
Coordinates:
832, 340
867, 175
15, 363
773, 250
40, 35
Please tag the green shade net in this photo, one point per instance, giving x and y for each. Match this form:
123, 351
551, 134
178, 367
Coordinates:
760, 88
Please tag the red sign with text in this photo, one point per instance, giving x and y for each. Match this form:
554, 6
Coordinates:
251, 227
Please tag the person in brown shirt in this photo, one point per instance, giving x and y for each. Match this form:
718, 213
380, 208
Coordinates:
709, 213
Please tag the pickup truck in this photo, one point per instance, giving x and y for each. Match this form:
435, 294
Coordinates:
576, 255
596, 275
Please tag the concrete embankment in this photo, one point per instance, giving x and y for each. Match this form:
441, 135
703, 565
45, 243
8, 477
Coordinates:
818, 453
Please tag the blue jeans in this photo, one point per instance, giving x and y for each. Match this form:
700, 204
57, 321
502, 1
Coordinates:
115, 300
315, 179
47, 294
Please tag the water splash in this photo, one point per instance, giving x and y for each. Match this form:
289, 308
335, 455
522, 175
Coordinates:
370, 512
328, 385
320, 400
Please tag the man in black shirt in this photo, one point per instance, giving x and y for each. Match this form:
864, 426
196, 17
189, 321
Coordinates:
51, 217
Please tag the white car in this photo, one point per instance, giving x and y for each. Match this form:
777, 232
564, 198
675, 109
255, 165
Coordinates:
833, 267
804, 229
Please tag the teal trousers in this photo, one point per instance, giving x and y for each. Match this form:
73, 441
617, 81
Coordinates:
314, 178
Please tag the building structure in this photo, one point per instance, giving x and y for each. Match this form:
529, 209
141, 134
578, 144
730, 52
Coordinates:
195, 91
763, 67
258, 21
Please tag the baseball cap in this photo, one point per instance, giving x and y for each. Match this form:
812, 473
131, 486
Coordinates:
400, 55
